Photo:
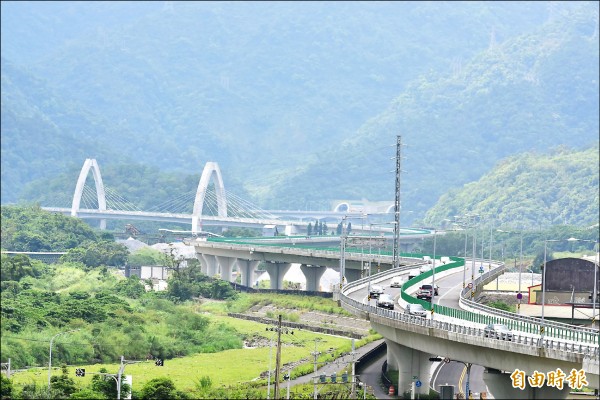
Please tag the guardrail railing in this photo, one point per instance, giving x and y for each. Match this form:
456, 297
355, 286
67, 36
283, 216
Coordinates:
578, 334
485, 314
353, 305
520, 322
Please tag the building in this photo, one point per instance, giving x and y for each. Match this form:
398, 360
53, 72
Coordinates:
568, 280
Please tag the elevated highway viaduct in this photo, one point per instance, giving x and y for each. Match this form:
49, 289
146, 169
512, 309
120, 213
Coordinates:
412, 340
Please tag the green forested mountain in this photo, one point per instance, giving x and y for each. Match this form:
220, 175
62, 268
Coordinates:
529, 93
300, 101
530, 190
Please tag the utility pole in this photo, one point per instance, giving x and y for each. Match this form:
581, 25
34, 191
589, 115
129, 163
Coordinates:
397, 203
316, 355
353, 391
278, 357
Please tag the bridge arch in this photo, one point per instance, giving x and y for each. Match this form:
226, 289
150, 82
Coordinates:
342, 207
89, 163
211, 169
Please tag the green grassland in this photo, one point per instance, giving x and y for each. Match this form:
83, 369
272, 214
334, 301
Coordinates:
231, 370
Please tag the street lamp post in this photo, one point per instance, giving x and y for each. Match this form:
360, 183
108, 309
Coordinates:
594, 290
520, 296
473, 261
50, 355
370, 249
520, 271
465, 261
433, 273
543, 328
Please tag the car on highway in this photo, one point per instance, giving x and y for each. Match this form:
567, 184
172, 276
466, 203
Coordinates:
415, 309
413, 272
428, 286
396, 282
385, 301
375, 291
498, 331
424, 294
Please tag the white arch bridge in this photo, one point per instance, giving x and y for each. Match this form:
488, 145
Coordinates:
224, 208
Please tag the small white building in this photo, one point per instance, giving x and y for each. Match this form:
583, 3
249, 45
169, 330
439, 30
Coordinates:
270, 230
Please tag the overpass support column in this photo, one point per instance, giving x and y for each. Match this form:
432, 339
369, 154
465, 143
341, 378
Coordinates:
277, 271
500, 386
247, 270
352, 275
409, 363
313, 274
226, 265
209, 264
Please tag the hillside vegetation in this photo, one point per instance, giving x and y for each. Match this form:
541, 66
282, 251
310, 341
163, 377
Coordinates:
102, 316
300, 103
530, 190
521, 95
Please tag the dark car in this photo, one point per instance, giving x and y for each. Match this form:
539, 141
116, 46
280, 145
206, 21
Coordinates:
498, 331
424, 294
386, 301
430, 287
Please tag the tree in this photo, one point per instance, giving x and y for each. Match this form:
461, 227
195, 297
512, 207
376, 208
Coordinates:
63, 383
31, 391
5, 388
108, 386
87, 393
339, 229
145, 256
309, 229
15, 268
349, 228
95, 254
161, 388
130, 287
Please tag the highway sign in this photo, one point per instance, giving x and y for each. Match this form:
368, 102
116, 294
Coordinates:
519, 296
481, 270
418, 383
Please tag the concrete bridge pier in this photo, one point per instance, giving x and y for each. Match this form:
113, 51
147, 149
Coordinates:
313, 274
500, 386
226, 266
409, 363
277, 271
208, 264
352, 274
247, 270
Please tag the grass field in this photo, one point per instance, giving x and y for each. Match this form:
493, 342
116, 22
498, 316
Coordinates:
229, 368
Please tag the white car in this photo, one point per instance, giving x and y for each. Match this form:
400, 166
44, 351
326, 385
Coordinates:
498, 331
416, 309
413, 273
375, 291
396, 282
